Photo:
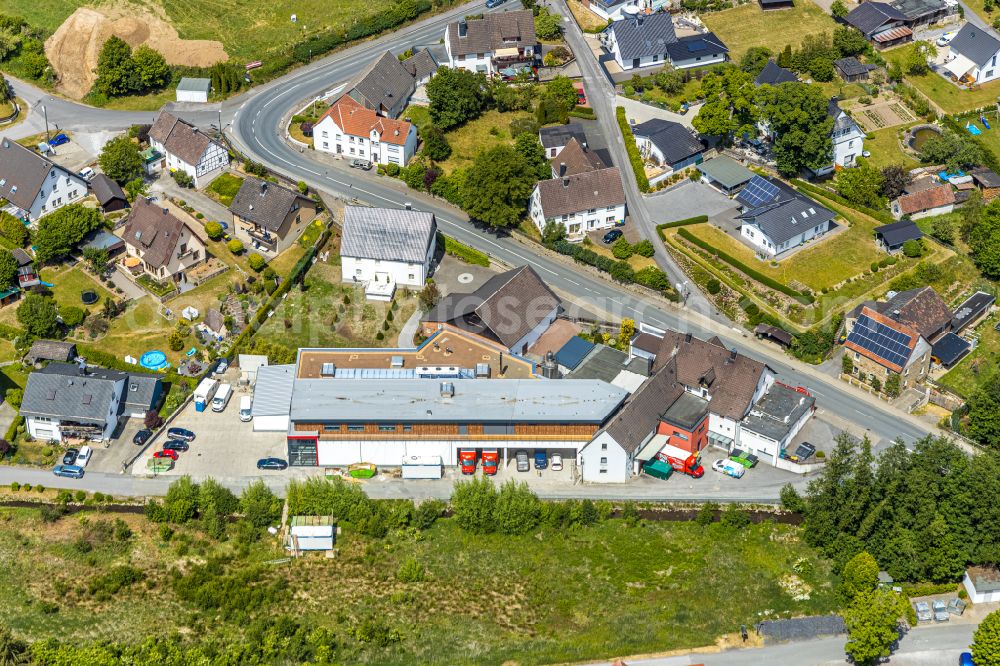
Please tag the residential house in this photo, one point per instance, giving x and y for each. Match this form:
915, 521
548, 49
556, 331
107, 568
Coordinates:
987, 181
575, 158
852, 70
513, 309
882, 24
347, 128
385, 247
186, 148
615, 10
725, 174
555, 137
974, 54
269, 217
582, 202
774, 75
774, 420
386, 85
496, 42
778, 219
668, 144
64, 400
50, 350
891, 237
848, 140
214, 324
109, 194
927, 12
936, 200
27, 275
610, 365
651, 41
165, 246
33, 185
921, 308
880, 346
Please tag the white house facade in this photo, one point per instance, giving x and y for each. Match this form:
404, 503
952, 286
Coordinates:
582, 202
640, 41
186, 148
973, 55
349, 129
493, 43
33, 185
387, 246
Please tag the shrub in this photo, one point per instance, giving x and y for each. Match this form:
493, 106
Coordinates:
213, 230
15, 486
465, 253
644, 248
427, 513
734, 516
256, 262
235, 246
392, 170
622, 272
713, 286
622, 249
72, 316
473, 502
411, 571
517, 509
706, 514
654, 278
635, 159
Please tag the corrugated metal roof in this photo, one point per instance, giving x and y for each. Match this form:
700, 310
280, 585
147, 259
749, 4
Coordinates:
272, 393
387, 234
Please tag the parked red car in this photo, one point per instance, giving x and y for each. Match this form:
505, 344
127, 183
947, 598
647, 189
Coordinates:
166, 453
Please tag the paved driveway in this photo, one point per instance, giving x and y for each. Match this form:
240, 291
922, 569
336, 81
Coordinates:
687, 200
640, 112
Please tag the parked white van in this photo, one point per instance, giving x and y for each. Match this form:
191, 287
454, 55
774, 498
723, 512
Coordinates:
246, 405
221, 398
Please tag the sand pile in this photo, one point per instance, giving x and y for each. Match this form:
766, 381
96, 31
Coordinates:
74, 48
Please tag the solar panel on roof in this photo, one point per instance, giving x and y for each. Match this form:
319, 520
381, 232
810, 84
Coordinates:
891, 345
758, 192
696, 45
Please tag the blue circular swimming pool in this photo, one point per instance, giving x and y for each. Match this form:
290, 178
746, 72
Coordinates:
154, 360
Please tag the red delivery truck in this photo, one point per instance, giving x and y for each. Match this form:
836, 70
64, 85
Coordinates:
467, 460
682, 461
491, 460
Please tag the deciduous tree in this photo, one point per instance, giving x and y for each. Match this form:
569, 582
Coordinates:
986, 641
873, 625
497, 187
729, 107
862, 185
37, 314
456, 96
436, 146
151, 68
860, 574
60, 231
797, 115
121, 160
755, 60
116, 72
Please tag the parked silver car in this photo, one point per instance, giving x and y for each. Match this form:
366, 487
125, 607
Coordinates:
923, 611
522, 461
940, 611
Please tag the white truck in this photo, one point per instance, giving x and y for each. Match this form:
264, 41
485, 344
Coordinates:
246, 408
729, 468
422, 467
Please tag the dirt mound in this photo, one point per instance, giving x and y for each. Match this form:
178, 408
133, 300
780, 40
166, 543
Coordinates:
74, 48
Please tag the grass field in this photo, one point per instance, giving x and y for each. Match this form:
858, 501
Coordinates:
489, 130
69, 284
748, 25
944, 93
885, 149
247, 30
224, 188
311, 316
555, 595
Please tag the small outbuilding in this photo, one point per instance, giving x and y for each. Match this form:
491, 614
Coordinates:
311, 533
194, 90
931, 201
982, 584
725, 174
774, 334
949, 349
851, 69
971, 310
892, 236
99, 239
987, 181
51, 350
108, 193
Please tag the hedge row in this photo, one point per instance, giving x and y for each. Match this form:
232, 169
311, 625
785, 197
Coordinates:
802, 297
583, 112
633, 150
698, 219
883, 216
620, 271
465, 253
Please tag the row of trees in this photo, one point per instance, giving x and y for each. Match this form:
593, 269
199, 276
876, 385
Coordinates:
22, 49
815, 55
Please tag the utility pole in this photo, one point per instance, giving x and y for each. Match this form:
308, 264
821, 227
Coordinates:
46, 114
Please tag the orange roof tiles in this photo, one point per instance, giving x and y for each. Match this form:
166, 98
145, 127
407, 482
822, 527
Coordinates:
356, 120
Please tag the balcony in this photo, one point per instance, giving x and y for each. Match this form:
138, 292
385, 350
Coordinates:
262, 239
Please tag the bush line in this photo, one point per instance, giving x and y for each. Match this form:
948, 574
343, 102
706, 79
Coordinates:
621, 271
633, 151
467, 254
697, 219
807, 188
801, 297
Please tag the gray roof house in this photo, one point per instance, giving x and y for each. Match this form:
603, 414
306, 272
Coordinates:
51, 350
667, 143
387, 245
555, 137
268, 216
34, 185
493, 43
773, 74
647, 41
880, 23
975, 52
65, 400
852, 69
777, 219
108, 193
386, 85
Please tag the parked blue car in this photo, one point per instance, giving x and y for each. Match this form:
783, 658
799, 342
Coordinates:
68, 471
58, 140
541, 460
965, 659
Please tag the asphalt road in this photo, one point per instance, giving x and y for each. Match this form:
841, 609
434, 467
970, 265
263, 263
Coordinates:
254, 120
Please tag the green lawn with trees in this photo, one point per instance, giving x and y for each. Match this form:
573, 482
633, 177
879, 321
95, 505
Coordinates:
507, 579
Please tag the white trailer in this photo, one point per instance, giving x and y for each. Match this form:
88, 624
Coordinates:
204, 393
422, 467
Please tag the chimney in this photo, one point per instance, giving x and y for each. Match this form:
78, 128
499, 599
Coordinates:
408, 206
732, 355
895, 315
565, 182
447, 389
562, 169
687, 338
584, 145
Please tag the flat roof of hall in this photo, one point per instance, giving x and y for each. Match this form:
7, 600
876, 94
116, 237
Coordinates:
474, 401
444, 348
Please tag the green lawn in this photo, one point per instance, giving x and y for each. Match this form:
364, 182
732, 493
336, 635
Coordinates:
224, 188
312, 317
979, 366
885, 149
552, 596
489, 130
841, 90
139, 329
943, 92
248, 30
69, 284
748, 25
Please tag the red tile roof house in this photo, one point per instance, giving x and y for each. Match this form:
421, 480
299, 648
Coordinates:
925, 203
186, 148
745, 408
881, 345
349, 129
